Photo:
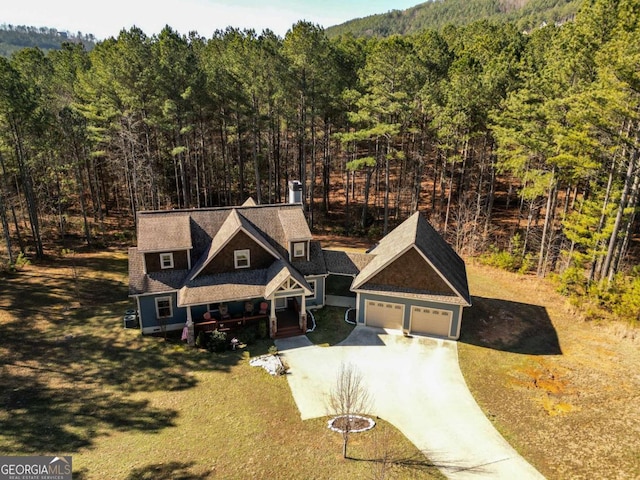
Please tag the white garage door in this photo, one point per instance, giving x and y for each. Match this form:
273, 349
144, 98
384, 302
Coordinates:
430, 321
385, 315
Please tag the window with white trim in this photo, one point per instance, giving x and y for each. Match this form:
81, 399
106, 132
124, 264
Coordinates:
242, 258
166, 260
299, 249
312, 284
164, 308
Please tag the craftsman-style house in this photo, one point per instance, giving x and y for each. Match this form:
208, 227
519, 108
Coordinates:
220, 268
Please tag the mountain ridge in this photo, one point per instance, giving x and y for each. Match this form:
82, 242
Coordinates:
17, 37
527, 14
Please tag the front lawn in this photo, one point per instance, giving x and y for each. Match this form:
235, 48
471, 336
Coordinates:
74, 382
331, 328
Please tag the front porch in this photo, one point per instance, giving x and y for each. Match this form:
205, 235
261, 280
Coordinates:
232, 305
282, 317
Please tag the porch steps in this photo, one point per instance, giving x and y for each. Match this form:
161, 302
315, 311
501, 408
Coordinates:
289, 331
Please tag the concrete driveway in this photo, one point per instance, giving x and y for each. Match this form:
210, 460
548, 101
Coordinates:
416, 385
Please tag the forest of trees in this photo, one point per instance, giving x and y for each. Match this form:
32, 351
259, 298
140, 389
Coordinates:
436, 14
521, 148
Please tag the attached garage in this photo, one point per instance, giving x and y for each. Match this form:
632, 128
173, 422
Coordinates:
430, 321
384, 314
414, 282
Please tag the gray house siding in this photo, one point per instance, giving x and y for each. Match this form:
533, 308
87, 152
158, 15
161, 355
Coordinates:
408, 303
149, 322
317, 300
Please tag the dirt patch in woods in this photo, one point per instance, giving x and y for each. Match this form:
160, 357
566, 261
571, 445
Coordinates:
564, 392
356, 244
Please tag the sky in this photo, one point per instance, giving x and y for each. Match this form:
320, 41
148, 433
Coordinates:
105, 18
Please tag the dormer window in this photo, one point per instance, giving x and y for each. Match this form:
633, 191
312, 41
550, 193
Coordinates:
299, 249
166, 260
242, 258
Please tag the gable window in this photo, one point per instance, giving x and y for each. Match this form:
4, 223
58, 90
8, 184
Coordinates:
163, 307
242, 258
299, 249
166, 260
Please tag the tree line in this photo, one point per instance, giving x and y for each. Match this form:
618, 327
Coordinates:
16, 37
518, 146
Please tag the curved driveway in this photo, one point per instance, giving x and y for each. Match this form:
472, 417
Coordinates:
415, 384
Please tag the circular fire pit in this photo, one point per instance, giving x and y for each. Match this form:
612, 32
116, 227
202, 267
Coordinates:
355, 423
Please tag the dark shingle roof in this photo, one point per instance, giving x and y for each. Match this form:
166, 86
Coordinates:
238, 285
229, 228
278, 272
345, 263
316, 264
417, 232
296, 227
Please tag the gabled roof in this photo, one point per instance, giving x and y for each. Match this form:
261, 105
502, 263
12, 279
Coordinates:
249, 202
239, 284
157, 282
280, 271
206, 231
229, 229
416, 232
162, 233
296, 225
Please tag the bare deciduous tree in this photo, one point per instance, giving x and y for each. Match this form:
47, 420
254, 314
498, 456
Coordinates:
348, 397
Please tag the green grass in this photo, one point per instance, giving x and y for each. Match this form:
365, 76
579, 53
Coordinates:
74, 382
331, 328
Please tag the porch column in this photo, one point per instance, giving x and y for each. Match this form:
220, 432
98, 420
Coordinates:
303, 314
273, 320
191, 337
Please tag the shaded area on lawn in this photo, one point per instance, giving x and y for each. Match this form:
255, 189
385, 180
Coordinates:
40, 417
69, 373
48, 289
380, 465
168, 471
510, 326
386, 459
